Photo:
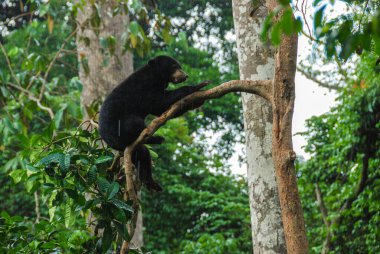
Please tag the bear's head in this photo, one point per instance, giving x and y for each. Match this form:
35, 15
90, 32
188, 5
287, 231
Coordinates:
168, 69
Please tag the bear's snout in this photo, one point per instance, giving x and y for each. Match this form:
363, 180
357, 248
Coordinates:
179, 76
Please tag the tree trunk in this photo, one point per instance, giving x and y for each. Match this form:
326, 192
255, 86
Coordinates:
283, 154
256, 62
99, 71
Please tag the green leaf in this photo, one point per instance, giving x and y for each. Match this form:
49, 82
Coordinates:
72, 194
18, 175
48, 245
103, 159
5, 216
91, 174
268, 23
58, 116
122, 205
51, 207
107, 238
95, 19
166, 35
119, 214
318, 17
122, 230
134, 33
134, 28
31, 168
287, 21
111, 43
276, 34
69, 214
103, 185
64, 162
284, 2
54, 157
298, 25
85, 66
113, 189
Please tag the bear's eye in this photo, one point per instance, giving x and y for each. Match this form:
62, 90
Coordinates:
174, 67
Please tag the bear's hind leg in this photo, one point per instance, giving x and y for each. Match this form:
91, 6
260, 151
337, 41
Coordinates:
143, 163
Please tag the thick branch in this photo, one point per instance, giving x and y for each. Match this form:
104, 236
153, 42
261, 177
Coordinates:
262, 88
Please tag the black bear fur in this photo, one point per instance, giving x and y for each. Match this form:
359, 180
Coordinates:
122, 114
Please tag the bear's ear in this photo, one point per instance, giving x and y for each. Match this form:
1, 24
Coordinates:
152, 62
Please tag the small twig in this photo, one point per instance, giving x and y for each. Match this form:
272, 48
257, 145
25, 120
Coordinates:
32, 79
30, 36
311, 38
361, 18
37, 206
33, 98
9, 64
320, 83
53, 61
18, 16
322, 206
340, 67
18, 86
68, 51
304, 11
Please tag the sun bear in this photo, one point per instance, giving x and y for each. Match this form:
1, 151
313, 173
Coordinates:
122, 114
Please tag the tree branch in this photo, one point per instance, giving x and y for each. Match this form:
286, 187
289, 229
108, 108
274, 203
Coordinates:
262, 88
33, 98
54, 59
20, 88
9, 64
320, 83
359, 188
321, 205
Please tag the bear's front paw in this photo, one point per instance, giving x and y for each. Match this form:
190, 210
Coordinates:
203, 84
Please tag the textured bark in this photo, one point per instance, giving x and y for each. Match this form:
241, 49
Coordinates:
102, 77
283, 154
256, 62
104, 71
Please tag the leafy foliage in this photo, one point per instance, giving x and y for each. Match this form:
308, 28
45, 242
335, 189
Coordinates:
20, 236
351, 32
273, 29
211, 244
344, 145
